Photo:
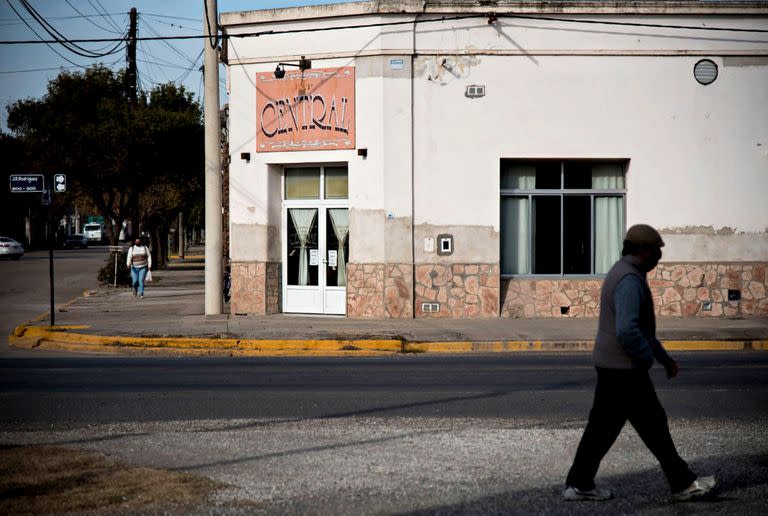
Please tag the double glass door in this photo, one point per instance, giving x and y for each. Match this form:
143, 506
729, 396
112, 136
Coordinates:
316, 245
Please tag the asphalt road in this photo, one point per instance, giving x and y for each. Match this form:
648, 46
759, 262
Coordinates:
25, 289
407, 434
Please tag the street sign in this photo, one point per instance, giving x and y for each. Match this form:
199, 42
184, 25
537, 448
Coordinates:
60, 182
27, 183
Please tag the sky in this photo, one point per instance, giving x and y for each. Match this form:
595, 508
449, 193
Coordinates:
26, 69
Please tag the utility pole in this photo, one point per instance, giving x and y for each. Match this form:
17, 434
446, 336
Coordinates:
130, 76
214, 296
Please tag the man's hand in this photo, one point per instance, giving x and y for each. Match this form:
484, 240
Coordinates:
671, 368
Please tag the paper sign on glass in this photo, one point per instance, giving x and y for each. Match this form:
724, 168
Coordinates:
332, 259
313, 257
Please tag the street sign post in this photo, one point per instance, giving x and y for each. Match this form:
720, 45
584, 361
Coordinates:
117, 250
35, 183
27, 183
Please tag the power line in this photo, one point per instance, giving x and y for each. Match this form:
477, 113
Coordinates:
40, 69
175, 50
90, 20
214, 42
631, 24
156, 15
60, 38
175, 25
41, 38
389, 24
14, 21
109, 18
184, 76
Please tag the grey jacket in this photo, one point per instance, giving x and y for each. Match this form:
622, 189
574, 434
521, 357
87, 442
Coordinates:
626, 336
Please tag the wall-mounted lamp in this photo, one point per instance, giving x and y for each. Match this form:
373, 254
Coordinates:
245, 156
304, 64
363, 153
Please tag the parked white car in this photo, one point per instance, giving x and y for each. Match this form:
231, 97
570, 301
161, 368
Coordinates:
10, 248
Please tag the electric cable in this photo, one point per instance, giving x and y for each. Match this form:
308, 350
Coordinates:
51, 30
61, 39
390, 24
39, 69
156, 15
178, 52
215, 42
91, 21
109, 18
189, 70
41, 39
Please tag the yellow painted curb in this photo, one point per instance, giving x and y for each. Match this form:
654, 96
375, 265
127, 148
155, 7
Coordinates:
61, 338
496, 346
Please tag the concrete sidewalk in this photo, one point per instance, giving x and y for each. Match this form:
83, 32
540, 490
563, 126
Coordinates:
171, 319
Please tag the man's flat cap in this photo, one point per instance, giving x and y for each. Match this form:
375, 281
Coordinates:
644, 234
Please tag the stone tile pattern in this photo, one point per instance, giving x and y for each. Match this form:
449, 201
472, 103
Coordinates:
679, 290
256, 288
379, 291
463, 290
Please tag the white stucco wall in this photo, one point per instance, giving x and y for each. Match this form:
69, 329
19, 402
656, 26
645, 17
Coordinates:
698, 154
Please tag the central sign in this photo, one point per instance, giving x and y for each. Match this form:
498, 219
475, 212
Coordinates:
306, 110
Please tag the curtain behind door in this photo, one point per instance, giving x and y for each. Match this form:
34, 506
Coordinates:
340, 223
303, 219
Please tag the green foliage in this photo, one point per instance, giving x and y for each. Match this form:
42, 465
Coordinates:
107, 272
142, 162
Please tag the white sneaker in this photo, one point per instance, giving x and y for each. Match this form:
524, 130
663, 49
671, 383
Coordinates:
702, 486
572, 494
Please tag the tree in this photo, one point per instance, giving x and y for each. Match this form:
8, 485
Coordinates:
145, 160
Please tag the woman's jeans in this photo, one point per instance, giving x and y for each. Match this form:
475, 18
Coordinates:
137, 279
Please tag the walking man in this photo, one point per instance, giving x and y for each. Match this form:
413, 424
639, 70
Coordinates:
625, 348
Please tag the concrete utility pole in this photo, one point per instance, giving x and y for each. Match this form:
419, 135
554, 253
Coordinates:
214, 296
130, 58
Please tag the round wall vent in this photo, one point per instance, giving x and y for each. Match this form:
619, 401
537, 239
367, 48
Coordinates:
705, 71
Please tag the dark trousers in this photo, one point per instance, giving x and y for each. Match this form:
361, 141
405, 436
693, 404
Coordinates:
621, 395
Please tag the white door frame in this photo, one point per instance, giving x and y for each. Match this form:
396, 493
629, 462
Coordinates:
329, 300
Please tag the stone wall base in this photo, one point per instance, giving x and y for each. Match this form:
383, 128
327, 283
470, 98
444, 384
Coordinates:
379, 290
461, 290
256, 288
701, 289
679, 290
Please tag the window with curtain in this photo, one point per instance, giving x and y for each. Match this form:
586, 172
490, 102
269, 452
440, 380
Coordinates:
561, 217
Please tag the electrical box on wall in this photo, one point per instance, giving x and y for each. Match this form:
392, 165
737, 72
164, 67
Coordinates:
444, 245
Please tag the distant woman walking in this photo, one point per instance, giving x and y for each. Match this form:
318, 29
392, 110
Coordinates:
139, 261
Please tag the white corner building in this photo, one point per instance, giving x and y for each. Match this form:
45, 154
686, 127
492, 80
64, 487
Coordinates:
479, 159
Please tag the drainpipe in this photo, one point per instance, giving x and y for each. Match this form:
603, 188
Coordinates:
413, 168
